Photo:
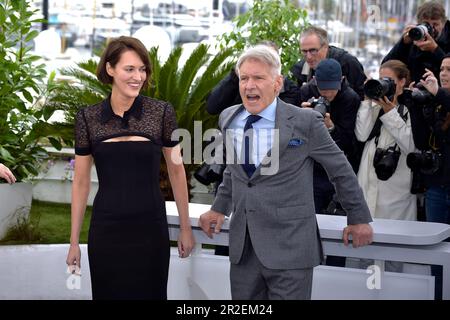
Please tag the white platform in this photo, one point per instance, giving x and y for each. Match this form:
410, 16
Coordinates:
39, 272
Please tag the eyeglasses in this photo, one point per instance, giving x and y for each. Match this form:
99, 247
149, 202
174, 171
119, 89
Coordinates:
312, 51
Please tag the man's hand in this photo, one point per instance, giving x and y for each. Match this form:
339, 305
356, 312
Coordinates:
362, 234
426, 44
405, 37
328, 122
211, 219
306, 105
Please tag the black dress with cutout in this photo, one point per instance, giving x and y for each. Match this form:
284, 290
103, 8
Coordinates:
128, 243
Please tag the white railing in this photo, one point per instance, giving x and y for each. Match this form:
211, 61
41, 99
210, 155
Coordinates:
394, 240
39, 271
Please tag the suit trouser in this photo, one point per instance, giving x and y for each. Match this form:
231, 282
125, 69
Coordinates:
250, 280
323, 194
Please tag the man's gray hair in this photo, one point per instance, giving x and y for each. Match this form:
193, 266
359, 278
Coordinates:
264, 54
322, 34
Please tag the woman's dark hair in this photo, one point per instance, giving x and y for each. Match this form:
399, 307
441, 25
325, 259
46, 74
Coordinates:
114, 50
400, 69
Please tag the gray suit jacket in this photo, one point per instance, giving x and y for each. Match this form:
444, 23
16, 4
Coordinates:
278, 209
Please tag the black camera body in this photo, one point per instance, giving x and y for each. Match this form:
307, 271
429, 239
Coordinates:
421, 95
209, 173
377, 89
320, 104
385, 162
419, 32
428, 162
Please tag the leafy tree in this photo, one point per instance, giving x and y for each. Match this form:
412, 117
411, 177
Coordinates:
278, 21
22, 123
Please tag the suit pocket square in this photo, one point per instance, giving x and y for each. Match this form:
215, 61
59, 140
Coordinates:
295, 143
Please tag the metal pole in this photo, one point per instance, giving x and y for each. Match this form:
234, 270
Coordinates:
358, 23
45, 14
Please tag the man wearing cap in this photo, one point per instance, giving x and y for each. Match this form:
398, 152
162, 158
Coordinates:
339, 119
315, 47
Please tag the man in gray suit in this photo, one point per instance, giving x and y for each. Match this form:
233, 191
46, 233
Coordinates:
274, 240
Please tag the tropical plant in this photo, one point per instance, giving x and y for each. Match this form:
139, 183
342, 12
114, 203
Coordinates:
23, 125
278, 21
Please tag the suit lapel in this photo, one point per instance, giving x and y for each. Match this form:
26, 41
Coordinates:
227, 122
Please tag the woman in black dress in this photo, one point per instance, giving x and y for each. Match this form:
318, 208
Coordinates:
128, 243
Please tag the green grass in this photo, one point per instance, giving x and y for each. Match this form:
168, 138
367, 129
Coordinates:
48, 223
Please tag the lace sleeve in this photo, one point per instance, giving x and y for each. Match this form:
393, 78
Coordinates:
169, 125
82, 143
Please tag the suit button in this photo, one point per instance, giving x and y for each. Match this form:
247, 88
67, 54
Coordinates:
249, 185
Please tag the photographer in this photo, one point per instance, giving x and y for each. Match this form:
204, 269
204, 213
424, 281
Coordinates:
315, 47
424, 46
430, 125
329, 93
385, 126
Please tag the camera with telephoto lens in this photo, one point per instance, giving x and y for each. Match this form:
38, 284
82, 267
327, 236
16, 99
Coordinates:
385, 162
320, 104
209, 173
427, 162
377, 89
419, 32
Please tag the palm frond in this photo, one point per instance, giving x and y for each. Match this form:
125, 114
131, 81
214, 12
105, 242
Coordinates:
215, 71
153, 89
193, 64
88, 80
168, 76
89, 66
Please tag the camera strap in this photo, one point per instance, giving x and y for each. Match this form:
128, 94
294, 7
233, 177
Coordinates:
376, 130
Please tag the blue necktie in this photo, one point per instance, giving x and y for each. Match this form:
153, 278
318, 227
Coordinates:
248, 167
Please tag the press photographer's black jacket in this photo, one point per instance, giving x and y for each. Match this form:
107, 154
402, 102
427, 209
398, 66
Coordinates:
226, 94
351, 69
422, 129
343, 111
417, 60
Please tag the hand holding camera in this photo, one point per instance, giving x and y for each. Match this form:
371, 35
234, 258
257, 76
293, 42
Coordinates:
406, 37
423, 36
320, 104
382, 91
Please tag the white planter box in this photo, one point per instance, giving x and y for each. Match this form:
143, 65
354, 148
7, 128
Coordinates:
55, 183
15, 202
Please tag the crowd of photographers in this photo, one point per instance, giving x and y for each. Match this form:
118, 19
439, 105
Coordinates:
395, 130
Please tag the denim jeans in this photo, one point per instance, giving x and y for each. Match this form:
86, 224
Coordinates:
437, 206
